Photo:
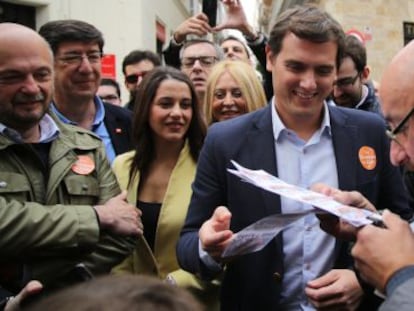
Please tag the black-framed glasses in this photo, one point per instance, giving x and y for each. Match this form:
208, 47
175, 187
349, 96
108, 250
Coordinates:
77, 59
401, 127
205, 61
133, 78
344, 82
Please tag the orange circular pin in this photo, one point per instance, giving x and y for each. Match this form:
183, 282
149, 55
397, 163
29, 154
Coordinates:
367, 157
84, 165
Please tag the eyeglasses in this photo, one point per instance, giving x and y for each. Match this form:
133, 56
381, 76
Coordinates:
76, 59
133, 78
109, 97
401, 127
205, 61
344, 82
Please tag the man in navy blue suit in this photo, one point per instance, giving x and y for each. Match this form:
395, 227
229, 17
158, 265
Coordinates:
302, 140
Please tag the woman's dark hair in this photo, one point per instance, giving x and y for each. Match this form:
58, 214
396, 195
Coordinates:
142, 135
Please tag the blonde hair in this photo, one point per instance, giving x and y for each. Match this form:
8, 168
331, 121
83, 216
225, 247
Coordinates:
247, 80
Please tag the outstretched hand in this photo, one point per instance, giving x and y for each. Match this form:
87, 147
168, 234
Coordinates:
215, 233
235, 19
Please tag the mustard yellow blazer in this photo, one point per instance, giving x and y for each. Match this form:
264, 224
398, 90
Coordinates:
163, 261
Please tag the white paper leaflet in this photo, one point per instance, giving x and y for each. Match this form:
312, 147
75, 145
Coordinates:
256, 236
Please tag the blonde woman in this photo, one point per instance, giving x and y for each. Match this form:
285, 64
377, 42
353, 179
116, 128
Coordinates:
233, 89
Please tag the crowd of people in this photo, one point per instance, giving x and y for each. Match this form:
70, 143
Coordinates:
108, 207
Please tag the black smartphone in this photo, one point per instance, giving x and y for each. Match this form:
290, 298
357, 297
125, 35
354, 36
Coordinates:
210, 9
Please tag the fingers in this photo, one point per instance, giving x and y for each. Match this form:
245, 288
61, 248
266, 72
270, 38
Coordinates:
123, 195
323, 188
196, 25
338, 289
325, 280
392, 220
352, 198
222, 214
32, 288
214, 234
119, 216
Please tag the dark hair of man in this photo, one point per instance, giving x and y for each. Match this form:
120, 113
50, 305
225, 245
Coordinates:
57, 32
121, 293
356, 51
112, 82
188, 43
308, 23
137, 56
234, 38
142, 134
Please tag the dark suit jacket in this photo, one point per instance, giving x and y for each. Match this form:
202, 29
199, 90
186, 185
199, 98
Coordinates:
252, 282
118, 123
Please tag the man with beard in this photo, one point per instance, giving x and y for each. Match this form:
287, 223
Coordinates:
77, 47
352, 87
63, 217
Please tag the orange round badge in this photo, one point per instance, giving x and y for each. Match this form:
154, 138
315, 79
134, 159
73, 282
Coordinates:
84, 165
367, 157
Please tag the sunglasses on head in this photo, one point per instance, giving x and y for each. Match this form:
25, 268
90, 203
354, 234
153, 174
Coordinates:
133, 78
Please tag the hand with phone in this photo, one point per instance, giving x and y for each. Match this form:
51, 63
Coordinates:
196, 25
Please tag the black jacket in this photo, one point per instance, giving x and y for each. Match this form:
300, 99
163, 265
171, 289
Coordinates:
118, 122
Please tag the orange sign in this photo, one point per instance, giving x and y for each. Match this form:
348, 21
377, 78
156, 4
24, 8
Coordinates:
84, 165
367, 157
108, 68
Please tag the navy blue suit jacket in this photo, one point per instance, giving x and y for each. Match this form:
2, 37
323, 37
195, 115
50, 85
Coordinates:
252, 281
117, 121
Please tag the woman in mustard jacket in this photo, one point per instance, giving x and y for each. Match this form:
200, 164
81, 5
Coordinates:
168, 132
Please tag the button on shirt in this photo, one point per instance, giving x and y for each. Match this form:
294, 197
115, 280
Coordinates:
308, 251
98, 126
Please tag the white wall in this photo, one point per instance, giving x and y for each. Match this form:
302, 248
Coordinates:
126, 24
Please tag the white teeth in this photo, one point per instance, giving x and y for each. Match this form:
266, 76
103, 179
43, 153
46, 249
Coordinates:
305, 96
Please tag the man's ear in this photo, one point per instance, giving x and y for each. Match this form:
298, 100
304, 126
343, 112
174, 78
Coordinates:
365, 74
270, 57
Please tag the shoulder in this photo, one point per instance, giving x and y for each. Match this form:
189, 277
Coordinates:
237, 127
123, 160
356, 116
77, 135
117, 111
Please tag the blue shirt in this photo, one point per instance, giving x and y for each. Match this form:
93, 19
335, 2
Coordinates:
308, 251
48, 131
98, 126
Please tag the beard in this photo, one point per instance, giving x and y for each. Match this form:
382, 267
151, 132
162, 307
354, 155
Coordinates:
26, 111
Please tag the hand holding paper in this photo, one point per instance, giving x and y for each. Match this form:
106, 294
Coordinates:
256, 236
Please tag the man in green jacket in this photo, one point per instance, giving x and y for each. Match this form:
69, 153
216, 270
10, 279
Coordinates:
63, 218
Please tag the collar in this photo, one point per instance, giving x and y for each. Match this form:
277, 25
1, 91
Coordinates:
99, 115
49, 131
279, 127
364, 93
